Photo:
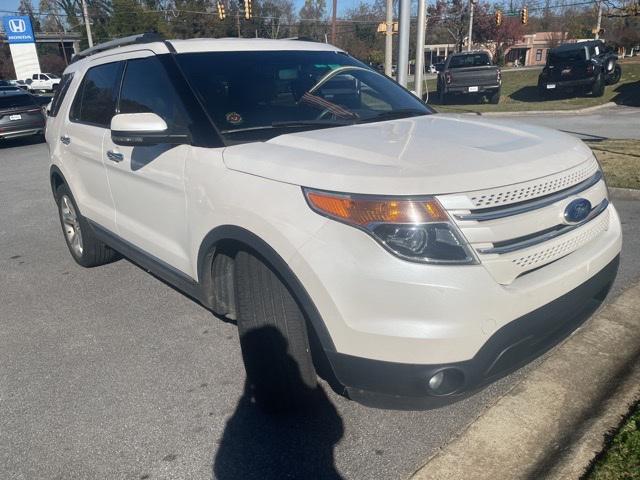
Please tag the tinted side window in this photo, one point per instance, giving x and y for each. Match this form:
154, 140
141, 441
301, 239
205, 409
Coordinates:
60, 93
147, 88
95, 102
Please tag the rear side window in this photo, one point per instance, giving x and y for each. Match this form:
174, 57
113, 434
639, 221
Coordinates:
60, 93
95, 102
147, 88
472, 60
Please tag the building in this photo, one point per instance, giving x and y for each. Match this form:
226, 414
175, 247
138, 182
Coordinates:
532, 49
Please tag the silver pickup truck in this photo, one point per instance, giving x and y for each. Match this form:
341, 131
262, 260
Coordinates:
469, 73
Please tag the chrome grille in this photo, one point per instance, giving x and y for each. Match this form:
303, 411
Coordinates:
537, 188
522, 235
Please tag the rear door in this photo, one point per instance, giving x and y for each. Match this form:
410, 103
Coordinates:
147, 182
81, 138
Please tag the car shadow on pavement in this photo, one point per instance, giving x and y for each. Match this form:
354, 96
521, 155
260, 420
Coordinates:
297, 445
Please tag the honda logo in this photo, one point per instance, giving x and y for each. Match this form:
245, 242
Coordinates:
17, 25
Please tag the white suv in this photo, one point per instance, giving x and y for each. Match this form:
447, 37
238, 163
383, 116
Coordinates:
410, 258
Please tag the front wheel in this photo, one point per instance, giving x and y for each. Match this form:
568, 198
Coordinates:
81, 240
273, 337
614, 77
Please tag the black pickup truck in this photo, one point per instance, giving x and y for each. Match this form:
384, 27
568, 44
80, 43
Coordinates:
584, 67
469, 73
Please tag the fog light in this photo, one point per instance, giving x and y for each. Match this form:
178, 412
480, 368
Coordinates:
435, 382
446, 382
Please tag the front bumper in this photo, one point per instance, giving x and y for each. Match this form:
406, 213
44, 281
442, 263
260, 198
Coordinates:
398, 385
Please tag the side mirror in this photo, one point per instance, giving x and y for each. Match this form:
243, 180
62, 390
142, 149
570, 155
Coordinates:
143, 129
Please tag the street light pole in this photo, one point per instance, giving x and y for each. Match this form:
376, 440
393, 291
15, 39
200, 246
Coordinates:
403, 41
388, 40
471, 8
422, 21
597, 34
87, 23
333, 22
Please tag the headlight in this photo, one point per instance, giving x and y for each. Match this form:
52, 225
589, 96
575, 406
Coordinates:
415, 229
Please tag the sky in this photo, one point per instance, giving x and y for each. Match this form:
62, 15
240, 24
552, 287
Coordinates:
342, 4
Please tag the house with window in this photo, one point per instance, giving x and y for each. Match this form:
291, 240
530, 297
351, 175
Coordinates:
532, 49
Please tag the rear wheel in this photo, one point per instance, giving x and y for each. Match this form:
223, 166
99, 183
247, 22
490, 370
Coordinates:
494, 98
273, 336
442, 97
83, 245
597, 90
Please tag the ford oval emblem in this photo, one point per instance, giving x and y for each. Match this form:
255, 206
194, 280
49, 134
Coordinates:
577, 210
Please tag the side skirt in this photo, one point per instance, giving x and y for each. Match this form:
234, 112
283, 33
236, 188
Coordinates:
150, 263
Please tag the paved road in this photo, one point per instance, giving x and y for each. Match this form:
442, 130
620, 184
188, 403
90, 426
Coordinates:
614, 122
109, 373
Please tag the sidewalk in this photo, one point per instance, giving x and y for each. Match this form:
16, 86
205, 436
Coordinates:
553, 423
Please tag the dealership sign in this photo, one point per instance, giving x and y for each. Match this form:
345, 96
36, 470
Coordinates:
18, 29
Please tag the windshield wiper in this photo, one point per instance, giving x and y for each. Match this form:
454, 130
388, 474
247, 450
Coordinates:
291, 124
393, 114
312, 123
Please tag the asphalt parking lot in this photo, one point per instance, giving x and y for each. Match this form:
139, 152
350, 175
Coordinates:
109, 373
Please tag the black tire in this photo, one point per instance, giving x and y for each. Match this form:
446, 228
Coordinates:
92, 252
443, 97
273, 337
597, 90
614, 77
494, 98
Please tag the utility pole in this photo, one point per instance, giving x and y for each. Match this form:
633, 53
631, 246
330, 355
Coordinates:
333, 22
87, 23
597, 33
403, 41
422, 23
471, 8
388, 40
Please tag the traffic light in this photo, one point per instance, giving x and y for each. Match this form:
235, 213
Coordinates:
221, 13
524, 15
498, 17
247, 10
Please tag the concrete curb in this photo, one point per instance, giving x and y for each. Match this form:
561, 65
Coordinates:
529, 113
552, 424
624, 193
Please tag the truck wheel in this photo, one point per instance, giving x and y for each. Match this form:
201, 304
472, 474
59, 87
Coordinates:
273, 337
597, 90
83, 245
614, 77
495, 97
443, 97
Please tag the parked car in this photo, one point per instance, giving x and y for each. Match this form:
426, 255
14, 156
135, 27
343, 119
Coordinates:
19, 83
20, 115
46, 82
4, 83
411, 258
583, 67
469, 73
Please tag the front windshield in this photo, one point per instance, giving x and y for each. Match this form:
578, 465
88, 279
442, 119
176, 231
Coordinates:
257, 95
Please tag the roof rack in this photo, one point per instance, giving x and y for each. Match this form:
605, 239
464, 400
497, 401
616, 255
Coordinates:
148, 37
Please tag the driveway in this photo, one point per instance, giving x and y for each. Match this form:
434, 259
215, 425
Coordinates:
110, 373
618, 121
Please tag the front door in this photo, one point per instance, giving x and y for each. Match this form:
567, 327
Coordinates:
147, 182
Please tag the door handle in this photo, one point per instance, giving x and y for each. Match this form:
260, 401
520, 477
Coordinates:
115, 156
65, 139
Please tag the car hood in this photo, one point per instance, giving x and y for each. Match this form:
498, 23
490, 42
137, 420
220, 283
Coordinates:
432, 154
